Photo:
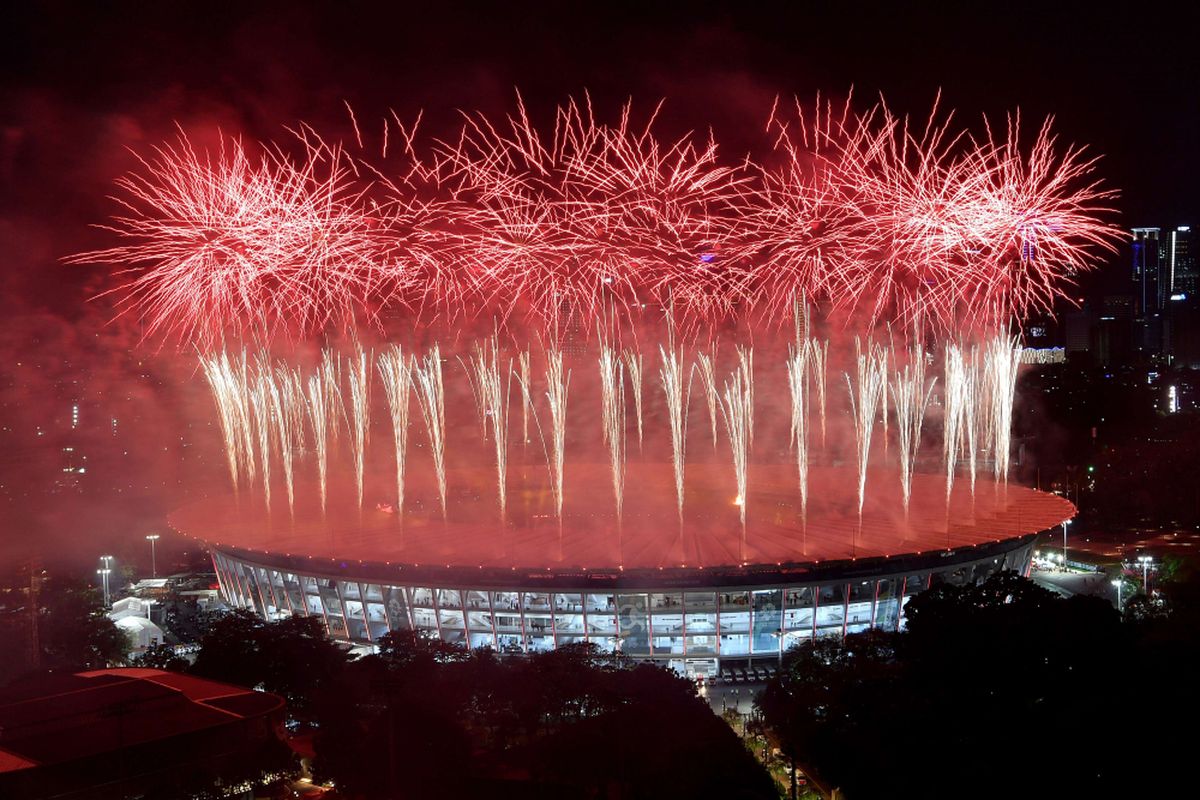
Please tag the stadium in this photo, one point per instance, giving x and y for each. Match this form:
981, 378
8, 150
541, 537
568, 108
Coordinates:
453, 379
678, 595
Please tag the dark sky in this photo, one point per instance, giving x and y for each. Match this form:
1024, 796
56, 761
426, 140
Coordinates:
80, 81
83, 83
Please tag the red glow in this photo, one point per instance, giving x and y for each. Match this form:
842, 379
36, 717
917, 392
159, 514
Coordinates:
860, 214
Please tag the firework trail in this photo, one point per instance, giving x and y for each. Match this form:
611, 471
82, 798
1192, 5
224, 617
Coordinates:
557, 383
583, 216
883, 404
870, 380
324, 404
798, 370
222, 382
970, 395
431, 396
523, 378
227, 241
738, 413
493, 396
261, 406
287, 397
612, 389
241, 384
633, 365
867, 216
956, 396
395, 369
671, 376
708, 378
359, 376
1002, 358
745, 356
910, 398
818, 361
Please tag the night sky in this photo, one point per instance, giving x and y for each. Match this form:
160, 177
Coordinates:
83, 83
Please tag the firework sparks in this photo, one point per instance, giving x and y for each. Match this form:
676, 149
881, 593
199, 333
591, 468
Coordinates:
798, 370
633, 366
870, 380
359, 376
523, 378
1003, 359
431, 396
863, 215
557, 383
708, 379
612, 389
671, 376
287, 397
261, 407
956, 396
745, 356
395, 369
910, 398
738, 413
324, 404
227, 392
818, 360
970, 419
492, 400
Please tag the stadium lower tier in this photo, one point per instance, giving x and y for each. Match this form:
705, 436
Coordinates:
697, 621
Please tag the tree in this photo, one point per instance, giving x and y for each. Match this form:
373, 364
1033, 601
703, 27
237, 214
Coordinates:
941, 707
162, 656
73, 632
428, 719
291, 657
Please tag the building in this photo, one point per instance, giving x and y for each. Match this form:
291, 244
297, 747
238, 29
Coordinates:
833, 574
141, 632
1164, 274
118, 733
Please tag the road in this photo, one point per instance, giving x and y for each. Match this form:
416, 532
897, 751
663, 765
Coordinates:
1071, 583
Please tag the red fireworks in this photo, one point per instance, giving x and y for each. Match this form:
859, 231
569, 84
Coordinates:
858, 213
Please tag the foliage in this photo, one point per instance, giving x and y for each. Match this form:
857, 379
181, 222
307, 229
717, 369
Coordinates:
74, 634
425, 719
162, 656
291, 657
954, 704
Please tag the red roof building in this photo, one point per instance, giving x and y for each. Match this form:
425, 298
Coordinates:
115, 732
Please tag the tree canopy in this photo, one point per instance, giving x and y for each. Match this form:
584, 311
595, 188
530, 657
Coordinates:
995, 689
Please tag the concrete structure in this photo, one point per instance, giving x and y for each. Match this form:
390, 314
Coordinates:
700, 599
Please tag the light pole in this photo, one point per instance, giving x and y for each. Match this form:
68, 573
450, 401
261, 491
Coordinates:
779, 635
1117, 583
1146, 561
1066, 522
152, 538
104, 573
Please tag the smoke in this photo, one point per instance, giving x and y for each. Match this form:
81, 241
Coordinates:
116, 85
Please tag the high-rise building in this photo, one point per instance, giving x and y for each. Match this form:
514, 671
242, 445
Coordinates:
1146, 270
1164, 276
1179, 263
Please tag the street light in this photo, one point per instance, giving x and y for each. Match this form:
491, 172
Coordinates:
1146, 561
1117, 583
152, 538
103, 573
1066, 522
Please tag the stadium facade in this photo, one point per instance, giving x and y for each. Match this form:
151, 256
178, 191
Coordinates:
696, 620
